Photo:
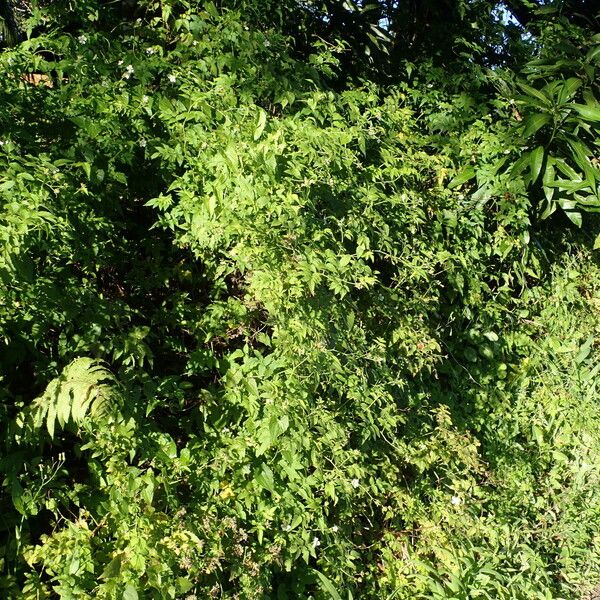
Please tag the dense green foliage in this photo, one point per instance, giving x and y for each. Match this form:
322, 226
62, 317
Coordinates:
298, 303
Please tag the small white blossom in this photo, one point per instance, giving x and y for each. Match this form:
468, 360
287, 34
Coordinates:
128, 72
120, 63
172, 78
267, 43
286, 527
316, 542
355, 483
335, 529
150, 51
455, 500
143, 143
2, 142
145, 99
82, 39
194, 43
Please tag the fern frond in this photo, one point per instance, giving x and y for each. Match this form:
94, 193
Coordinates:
85, 387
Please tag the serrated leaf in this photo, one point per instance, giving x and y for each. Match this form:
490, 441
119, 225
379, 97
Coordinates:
345, 260
265, 478
130, 593
113, 568
84, 386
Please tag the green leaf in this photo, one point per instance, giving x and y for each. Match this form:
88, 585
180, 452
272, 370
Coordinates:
184, 585
574, 217
130, 593
327, 586
265, 478
463, 176
533, 93
588, 111
113, 568
345, 260
536, 160
597, 243
568, 88
262, 121
534, 123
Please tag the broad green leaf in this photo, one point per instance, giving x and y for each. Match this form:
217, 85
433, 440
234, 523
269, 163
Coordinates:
113, 568
265, 478
466, 174
327, 586
130, 593
533, 93
536, 160
534, 123
568, 88
593, 54
590, 112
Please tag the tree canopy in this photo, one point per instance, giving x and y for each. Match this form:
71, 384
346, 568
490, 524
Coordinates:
299, 299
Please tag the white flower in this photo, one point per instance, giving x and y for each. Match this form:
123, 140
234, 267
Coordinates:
286, 527
120, 63
143, 143
172, 78
455, 500
194, 43
82, 39
2, 142
128, 72
335, 529
145, 99
316, 542
150, 51
267, 43
355, 483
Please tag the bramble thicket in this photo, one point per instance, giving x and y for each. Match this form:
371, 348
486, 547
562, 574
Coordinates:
299, 299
